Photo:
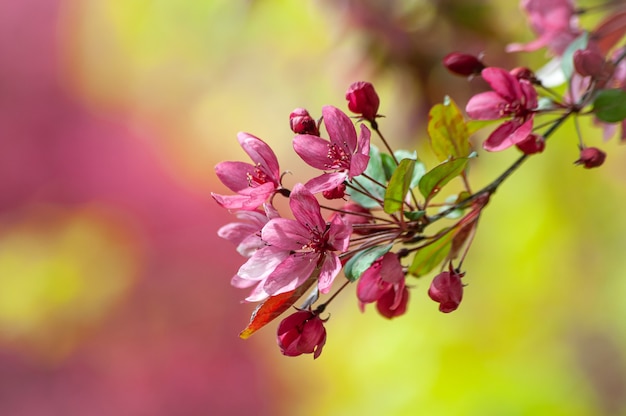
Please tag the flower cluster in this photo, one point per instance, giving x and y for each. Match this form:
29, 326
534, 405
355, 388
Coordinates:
379, 218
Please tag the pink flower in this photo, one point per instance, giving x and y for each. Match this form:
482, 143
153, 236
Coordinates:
295, 248
246, 235
254, 184
383, 283
301, 333
510, 97
555, 23
344, 156
363, 100
447, 289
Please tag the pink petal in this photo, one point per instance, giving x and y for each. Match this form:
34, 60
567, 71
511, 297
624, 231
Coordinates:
306, 209
249, 198
285, 234
339, 234
502, 82
313, 150
326, 181
234, 174
260, 153
291, 273
391, 269
340, 128
485, 106
499, 138
262, 263
330, 269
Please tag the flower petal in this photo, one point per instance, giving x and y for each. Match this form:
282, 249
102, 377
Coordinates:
502, 82
486, 106
285, 234
340, 128
499, 138
313, 150
291, 273
306, 209
330, 269
260, 153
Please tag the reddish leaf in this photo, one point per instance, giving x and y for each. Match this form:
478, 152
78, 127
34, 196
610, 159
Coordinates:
274, 306
609, 32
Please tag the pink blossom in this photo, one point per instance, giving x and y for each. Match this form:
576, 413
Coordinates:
295, 248
301, 333
510, 97
555, 23
253, 183
343, 155
384, 284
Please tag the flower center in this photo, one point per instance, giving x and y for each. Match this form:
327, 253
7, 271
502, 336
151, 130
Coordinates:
337, 156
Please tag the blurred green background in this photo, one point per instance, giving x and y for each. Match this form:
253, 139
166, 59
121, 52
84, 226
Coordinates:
114, 288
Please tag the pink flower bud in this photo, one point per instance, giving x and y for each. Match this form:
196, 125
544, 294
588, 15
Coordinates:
363, 100
591, 157
389, 306
447, 289
521, 72
302, 123
335, 193
534, 143
463, 64
589, 63
301, 333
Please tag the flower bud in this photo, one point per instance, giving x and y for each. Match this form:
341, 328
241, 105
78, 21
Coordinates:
463, 64
589, 63
392, 303
447, 289
591, 157
363, 100
522, 72
301, 333
335, 193
534, 143
302, 123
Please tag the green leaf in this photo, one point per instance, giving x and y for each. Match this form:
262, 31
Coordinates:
362, 261
440, 175
448, 132
374, 170
474, 125
399, 186
567, 60
414, 215
389, 165
428, 257
610, 105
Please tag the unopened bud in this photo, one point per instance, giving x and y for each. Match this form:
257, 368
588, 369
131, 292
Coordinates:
591, 157
534, 143
447, 290
363, 100
589, 63
521, 72
302, 123
463, 64
335, 193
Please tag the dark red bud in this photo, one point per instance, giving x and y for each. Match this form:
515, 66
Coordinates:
463, 64
302, 123
447, 289
335, 193
591, 157
534, 143
522, 72
301, 333
363, 100
589, 63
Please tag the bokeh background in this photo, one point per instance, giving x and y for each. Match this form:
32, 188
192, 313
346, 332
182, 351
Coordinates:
114, 288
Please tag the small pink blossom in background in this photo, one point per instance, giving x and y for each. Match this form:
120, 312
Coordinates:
510, 97
384, 284
554, 22
363, 100
343, 155
295, 248
447, 290
253, 183
301, 333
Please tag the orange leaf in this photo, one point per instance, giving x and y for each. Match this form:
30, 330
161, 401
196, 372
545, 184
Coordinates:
274, 306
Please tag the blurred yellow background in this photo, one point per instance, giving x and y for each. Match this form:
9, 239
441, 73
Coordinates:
114, 288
